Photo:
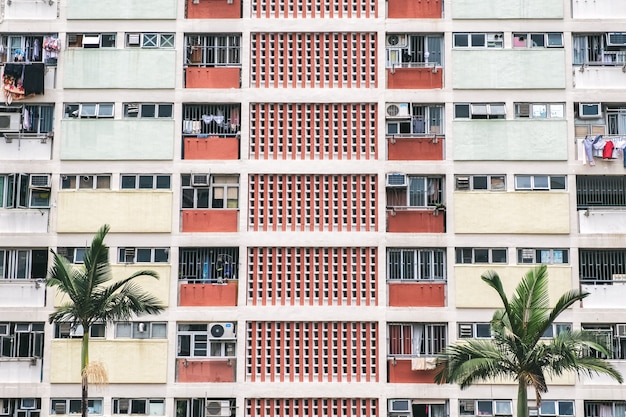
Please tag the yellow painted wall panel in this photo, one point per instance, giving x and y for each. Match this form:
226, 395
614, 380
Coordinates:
511, 212
125, 211
126, 361
472, 292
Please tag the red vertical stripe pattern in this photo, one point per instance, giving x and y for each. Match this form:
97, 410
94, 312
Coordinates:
311, 407
311, 9
273, 354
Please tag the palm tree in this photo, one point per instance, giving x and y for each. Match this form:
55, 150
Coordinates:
515, 350
93, 297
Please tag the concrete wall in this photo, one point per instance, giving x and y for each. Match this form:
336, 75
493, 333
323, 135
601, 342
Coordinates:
35, 10
605, 296
20, 370
510, 9
525, 212
22, 293
24, 220
601, 221
25, 150
115, 9
609, 77
598, 9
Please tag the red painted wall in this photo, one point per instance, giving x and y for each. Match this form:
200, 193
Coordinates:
206, 370
192, 295
401, 373
416, 294
406, 9
415, 149
415, 221
214, 9
210, 220
212, 77
211, 148
414, 78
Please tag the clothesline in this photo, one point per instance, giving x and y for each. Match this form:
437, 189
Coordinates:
607, 148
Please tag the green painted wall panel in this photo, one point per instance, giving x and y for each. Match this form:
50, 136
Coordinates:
121, 9
509, 9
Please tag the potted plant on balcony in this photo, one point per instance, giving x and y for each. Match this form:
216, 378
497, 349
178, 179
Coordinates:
439, 207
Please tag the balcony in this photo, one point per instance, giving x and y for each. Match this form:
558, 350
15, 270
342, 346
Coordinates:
211, 148
414, 9
602, 220
208, 294
510, 140
417, 294
413, 220
511, 9
20, 370
212, 77
519, 212
206, 370
415, 77
407, 370
26, 147
213, 9
415, 148
114, 10
508, 68
210, 220
598, 9
24, 221
22, 293
131, 367
605, 294
30, 10
600, 76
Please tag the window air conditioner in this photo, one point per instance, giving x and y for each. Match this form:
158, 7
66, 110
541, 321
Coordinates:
589, 111
222, 330
91, 41
59, 408
10, 122
616, 39
462, 183
219, 408
199, 179
134, 39
399, 406
128, 255
397, 40
396, 180
620, 330
523, 109
27, 403
466, 330
397, 110
40, 181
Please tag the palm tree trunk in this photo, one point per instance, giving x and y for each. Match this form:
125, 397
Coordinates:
84, 361
522, 399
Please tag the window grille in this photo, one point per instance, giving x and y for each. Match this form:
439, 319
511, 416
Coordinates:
600, 265
600, 190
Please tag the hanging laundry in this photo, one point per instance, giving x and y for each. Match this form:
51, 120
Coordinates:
607, 151
588, 145
234, 119
219, 119
26, 122
207, 118
36, 50
598, 146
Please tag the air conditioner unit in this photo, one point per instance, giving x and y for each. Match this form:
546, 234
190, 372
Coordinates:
59, 408
620, 330
222, 331
128, 255
523, 110
40, 181
10, 122
91, 41
462, 183
589, 111
397, 110
199, 179
397, 40
219, 408
399, 406
28, 403
616, 39
466, 330
397, 180
134, 39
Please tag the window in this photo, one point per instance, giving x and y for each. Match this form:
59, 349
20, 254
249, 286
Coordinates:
480, 182
20, 407
600, 191
539, 110
210, 191
613, 336
556, 329
38, 118
89, 110
208, 264
140, 330
410, 50
85, 181
600, 266
142, 406
73, 255
145, 182
213, 50
416, 339
485, 408
72, 406
200, 341
474, 330
24, 48
481, 255
416, 264
605, 408
556, 408
478, 40
143, 255
201, 407
150, 40
148, 110
421, 120
215, 120
599, 49
91, 40
542, 256
21, 340
23, 263
480, 111
538, 40
69, 331
417, 191
540, 182
24, 191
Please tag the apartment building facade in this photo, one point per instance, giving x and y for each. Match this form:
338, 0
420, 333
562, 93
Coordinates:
319, 184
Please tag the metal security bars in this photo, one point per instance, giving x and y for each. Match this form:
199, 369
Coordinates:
416, 264
600, 191
600, 266
208, 264
221, 120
